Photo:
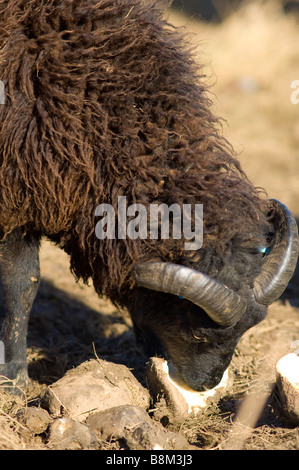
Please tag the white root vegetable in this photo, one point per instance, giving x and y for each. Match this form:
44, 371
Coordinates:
287, 370
180, 401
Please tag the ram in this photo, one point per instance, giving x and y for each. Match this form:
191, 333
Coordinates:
104, 100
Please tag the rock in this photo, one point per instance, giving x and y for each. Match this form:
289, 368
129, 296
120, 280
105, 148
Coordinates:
68, 434
287, 370
93, 386
135, 429
37, 420
179, 402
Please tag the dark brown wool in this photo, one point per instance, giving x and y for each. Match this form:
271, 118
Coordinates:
104, 100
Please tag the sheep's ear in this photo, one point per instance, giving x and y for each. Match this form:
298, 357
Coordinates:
280, 264
223, 305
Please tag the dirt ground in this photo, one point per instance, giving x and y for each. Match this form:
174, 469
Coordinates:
252, 58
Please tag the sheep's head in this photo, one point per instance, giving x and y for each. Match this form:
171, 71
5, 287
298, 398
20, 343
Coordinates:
196, 321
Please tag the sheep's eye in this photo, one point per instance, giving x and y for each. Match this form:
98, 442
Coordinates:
199, 337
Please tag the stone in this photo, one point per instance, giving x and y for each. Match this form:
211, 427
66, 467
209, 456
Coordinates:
68, 434
35, 419
93, 386
133, 427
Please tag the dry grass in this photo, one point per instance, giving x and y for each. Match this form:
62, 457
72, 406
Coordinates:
13, 435
253, 58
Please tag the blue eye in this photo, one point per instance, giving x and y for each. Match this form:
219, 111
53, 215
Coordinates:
264, 250
180, 297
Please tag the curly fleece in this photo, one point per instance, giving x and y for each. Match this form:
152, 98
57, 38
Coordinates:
103, 99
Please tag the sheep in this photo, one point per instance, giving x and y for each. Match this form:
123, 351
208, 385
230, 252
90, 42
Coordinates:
103, 99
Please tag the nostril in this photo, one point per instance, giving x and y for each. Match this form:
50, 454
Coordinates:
208, 383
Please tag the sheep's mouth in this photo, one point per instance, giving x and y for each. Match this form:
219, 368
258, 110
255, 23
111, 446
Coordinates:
184, 386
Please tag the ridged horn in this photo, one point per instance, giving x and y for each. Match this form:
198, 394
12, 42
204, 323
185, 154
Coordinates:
280, 264
224, 306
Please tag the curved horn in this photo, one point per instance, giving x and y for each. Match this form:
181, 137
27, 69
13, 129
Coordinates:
280, 264
222, 305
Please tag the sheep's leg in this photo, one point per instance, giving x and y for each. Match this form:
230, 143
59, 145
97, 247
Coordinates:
19, 270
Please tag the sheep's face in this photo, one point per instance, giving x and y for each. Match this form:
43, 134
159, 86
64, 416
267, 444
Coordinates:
194, 316
198, 349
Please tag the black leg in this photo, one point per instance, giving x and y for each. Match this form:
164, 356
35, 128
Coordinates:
19, 270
